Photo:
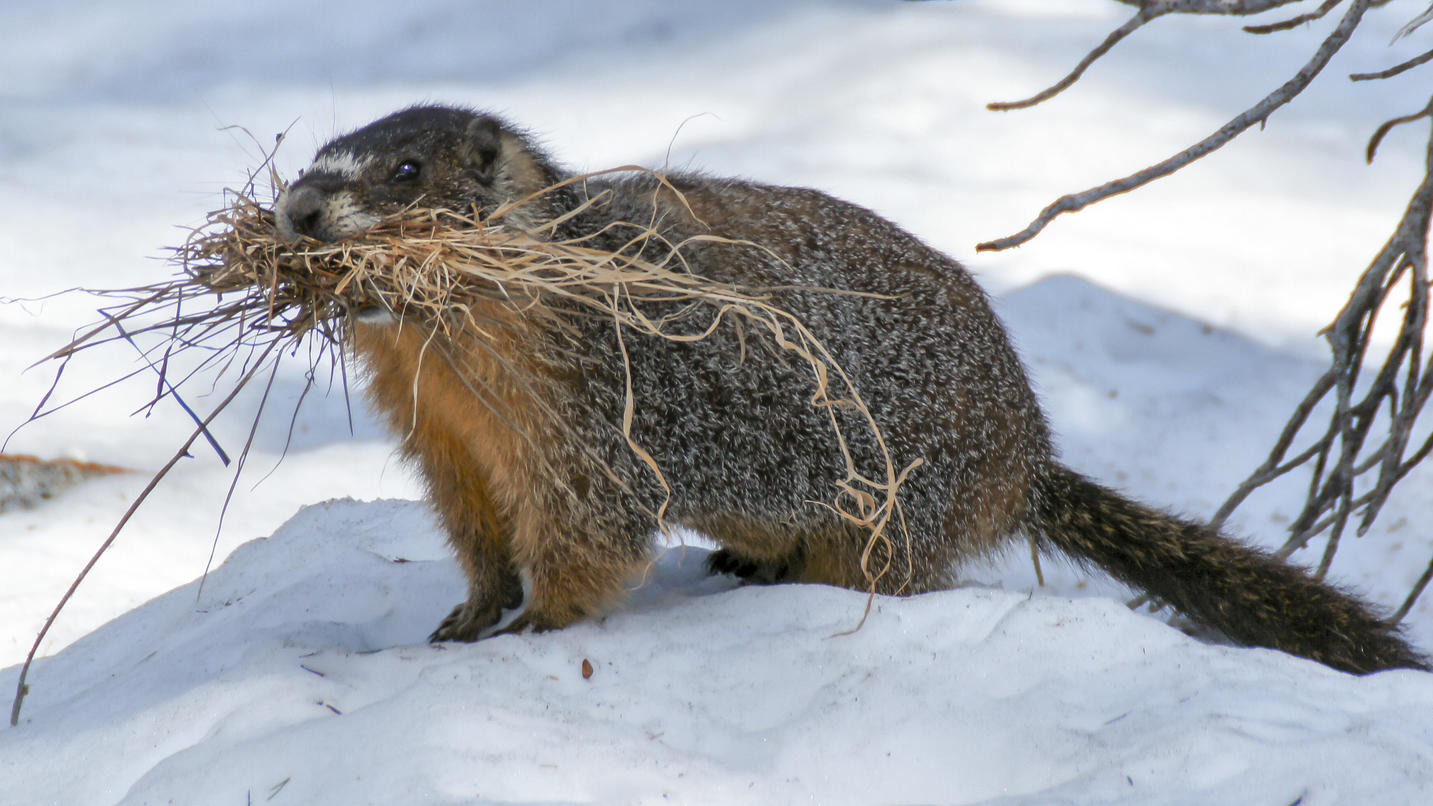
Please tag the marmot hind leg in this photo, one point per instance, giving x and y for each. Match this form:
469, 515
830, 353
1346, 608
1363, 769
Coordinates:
761, 552
755, 571
835, 554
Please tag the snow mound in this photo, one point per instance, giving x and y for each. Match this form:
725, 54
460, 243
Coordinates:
299, 674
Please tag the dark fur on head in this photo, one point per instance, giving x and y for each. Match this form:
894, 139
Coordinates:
420, 156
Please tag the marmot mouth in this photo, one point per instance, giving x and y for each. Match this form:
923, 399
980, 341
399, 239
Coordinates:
434, 266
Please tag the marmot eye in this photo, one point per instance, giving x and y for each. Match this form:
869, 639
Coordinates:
406, 171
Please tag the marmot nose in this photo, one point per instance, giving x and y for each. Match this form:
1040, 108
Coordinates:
298, 211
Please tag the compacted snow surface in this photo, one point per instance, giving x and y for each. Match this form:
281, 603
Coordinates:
1169, 332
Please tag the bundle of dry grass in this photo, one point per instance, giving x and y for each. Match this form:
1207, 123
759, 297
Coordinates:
438, 267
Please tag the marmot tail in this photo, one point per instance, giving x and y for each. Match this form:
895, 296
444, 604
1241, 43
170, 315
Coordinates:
1247, 594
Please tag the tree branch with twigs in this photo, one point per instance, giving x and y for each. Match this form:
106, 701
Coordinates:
1367, 444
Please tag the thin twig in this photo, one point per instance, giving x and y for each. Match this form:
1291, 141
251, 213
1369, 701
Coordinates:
1255, 114
1395, 396
20, 688
1418, 588
1388, 125
242, 460
1415, 23
1230, 8
1131, 25
168, 389
1422, 58
1274, 467
1294, 22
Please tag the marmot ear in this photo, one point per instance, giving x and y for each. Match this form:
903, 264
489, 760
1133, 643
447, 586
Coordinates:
482, 145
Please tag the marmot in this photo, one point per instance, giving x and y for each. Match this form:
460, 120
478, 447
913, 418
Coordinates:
518, 430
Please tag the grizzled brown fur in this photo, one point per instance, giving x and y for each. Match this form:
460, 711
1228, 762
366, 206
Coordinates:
517, 425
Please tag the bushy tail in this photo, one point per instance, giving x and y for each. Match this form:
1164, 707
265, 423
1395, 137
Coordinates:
1247, 594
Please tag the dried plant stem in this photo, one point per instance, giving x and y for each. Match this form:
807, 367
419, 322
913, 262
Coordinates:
200, 430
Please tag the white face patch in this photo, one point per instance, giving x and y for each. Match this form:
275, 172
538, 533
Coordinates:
339, 216
343, 163
344, 216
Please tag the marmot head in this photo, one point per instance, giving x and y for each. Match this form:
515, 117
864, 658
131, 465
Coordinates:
428, 156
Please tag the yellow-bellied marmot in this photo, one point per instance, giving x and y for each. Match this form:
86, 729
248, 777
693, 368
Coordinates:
520, 437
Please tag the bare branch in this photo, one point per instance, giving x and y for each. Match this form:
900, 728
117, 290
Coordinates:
1350, 478
1294, 22
1131, 25
1394, 397
1272, 467
1150, 10
1421, 58
1232, 8
1415, 23
1255, 114
1418, 588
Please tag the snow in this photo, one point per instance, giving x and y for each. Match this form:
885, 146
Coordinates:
306, 679
1170, 331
